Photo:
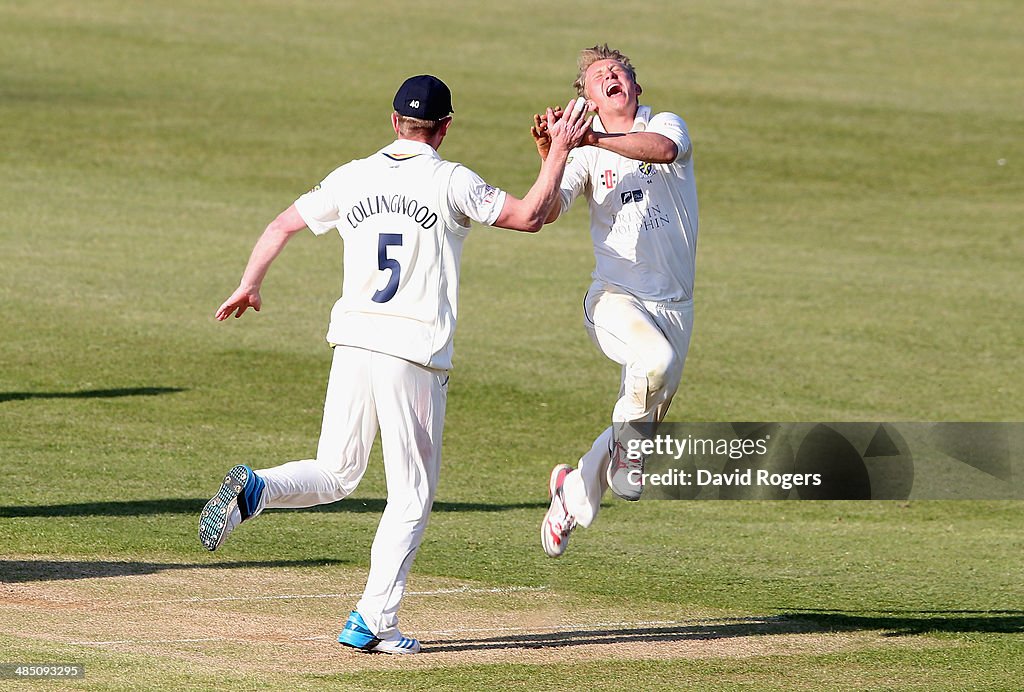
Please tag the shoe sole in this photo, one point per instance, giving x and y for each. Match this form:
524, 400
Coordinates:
405, 645
411, 646
371, 641
213, 521
627, 498
552, 489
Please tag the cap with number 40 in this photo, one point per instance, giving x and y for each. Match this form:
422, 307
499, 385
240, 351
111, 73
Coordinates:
425, 97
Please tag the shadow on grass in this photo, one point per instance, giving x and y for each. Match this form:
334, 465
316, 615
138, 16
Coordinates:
739, 627
906, 622
821, 622
135, 508
91, 393
20, 571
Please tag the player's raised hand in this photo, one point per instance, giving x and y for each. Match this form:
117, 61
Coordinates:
567, 128
241, 300
539, 130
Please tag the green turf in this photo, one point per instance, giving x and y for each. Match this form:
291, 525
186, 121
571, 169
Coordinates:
859, 171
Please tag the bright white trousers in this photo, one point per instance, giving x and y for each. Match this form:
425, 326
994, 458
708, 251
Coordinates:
368, 391
650, 341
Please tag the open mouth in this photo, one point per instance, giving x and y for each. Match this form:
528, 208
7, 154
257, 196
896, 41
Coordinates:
613, 89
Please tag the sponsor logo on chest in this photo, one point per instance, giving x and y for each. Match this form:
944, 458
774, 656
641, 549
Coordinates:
632, 196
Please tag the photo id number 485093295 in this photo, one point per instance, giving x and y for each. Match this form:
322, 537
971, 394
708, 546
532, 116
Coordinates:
24, 671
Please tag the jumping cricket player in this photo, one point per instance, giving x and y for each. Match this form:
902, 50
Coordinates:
636, 171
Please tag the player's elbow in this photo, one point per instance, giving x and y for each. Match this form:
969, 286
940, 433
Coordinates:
534, 224
657, 148
545, 216
529, 220
554, 212
665, 153
518, 216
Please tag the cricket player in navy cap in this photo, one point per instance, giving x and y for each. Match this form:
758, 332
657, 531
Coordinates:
403, 214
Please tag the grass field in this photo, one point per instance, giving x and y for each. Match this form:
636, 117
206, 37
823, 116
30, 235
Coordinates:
860, 176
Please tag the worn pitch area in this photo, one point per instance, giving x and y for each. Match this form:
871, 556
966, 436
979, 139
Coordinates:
287, 619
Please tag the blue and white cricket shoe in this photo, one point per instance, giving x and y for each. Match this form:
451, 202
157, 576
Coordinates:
357, 635
239, 499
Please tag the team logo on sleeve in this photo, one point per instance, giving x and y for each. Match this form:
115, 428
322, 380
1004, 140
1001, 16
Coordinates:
490, 193
315, 188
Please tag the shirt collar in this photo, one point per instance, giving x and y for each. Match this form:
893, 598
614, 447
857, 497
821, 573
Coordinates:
643, 117
410, 147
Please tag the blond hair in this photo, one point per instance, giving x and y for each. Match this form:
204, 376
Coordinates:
417, 128
588, 56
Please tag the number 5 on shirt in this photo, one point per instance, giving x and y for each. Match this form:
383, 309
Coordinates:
385, 241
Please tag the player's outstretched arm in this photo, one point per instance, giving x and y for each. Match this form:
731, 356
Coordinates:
565, 132
268, 247
641, 146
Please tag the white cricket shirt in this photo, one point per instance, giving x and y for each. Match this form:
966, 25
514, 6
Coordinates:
643, 216
403, 214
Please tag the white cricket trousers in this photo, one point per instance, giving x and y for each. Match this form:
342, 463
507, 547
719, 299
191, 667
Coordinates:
366, 391
650, 340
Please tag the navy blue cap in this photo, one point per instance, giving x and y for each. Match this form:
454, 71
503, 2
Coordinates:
424, 97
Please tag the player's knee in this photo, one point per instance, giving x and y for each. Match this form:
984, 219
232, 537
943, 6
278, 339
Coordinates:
663, 370
414, 513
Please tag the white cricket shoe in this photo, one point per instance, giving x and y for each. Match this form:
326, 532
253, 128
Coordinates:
558, 523
625, 473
